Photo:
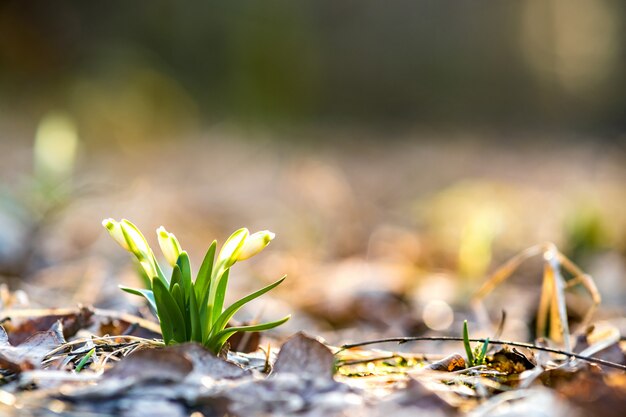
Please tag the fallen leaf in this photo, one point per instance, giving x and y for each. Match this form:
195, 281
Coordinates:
116, 326
71, 324
206, 363
166, 365
4, 337
450, 363
597, 393
414, 400
245, 342
306, 357
30, 353
511, 360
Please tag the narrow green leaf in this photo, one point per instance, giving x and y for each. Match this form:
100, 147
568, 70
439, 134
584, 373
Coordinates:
177, 277
179, 297
466, 343
483, 352
185, 268
216, 286
205, 323
147, 294
225, 317
84, 360
165, 321
167, 307
196, 329
216, 342
220, 295
204, 274
160, 274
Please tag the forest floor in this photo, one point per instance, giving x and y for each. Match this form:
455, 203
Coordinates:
377, 241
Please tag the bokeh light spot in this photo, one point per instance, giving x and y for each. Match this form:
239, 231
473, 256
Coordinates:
438, 315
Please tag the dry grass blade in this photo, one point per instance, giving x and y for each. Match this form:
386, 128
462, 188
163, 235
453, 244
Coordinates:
105, 348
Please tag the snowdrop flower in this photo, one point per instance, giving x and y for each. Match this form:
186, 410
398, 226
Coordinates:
169, 245
115, 230
130, 238
231, 250
255, 243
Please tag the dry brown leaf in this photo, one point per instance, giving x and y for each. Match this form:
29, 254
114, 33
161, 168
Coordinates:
306, 357
206, 363
512, 360
72, 323
596, 394
454, 362
30, 353
152, 365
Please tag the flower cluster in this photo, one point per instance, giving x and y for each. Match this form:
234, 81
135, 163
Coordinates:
193, 310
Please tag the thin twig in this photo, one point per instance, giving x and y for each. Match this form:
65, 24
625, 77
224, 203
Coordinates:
401, 340
368, 360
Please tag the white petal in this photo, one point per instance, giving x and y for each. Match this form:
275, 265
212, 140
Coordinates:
255, 243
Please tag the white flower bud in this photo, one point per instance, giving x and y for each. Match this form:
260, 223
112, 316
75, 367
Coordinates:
169, 245
115, 230
231, 250
135, 240
255, 243
130, 238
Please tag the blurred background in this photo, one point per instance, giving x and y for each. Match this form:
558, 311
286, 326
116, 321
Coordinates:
400, 151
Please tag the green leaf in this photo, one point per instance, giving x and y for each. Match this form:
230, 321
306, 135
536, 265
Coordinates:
466, 343
220, 295
84, 360
168, 310
483, 352
158, 270
217, 286
205, 323
177, 277
147, 294
185, 268
196, 329
225, 317
167, 330
179, 297
204, 274
216, 341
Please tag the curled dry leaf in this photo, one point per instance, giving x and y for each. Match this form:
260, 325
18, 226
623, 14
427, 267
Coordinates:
72, 321
30, 353
512, 360
450, 363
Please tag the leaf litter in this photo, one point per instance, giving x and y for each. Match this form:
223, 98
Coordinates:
131, 376
93, 362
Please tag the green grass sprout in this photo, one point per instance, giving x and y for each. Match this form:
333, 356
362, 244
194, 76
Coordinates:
477, 356
466, 344
84, 360
193, 310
